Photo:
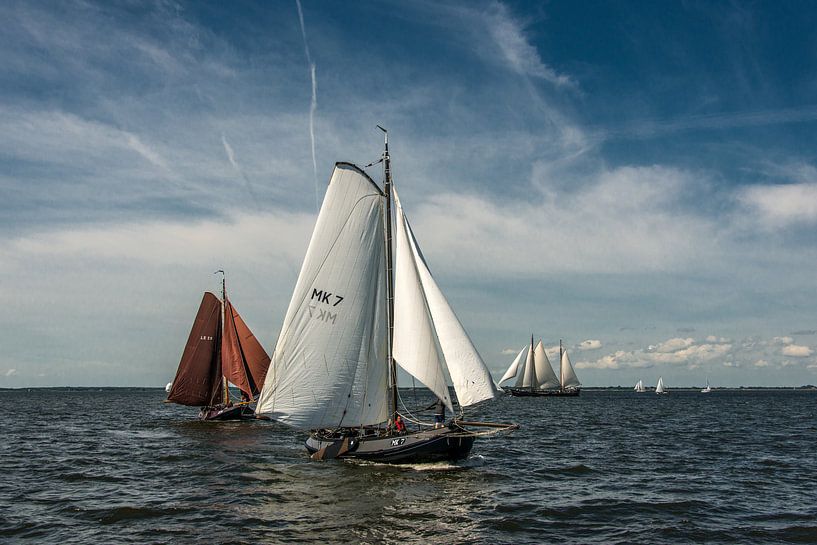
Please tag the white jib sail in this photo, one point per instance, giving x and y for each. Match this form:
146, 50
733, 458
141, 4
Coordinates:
569, 378
545, 377
415, 341
514, 368
529, 376
329, 365
472, 380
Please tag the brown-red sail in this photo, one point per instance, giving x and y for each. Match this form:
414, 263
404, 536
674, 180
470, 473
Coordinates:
198, 379
244, 360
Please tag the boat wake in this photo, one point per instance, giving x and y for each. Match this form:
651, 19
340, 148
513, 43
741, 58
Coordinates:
462, 465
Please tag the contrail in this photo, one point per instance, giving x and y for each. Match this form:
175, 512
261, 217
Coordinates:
314, 104
231, 157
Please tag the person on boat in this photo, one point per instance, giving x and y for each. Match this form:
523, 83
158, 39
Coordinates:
439, 414
399, 425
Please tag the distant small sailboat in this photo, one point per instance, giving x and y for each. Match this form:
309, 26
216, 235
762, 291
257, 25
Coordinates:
639, 387
220, 350
708, 388
535, 377
659, 388
168, 387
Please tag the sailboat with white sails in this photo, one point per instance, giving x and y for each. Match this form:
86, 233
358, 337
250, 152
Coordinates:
353, 318
708, 388
535, 377
659, 388
639, 387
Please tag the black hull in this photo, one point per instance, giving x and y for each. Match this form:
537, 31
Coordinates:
235, 412
527, 392
434, 445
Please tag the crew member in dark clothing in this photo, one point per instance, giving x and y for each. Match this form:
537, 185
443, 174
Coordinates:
439, 413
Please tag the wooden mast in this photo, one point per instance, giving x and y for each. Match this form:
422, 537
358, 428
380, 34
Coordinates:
389, 275
225, 386
561, 369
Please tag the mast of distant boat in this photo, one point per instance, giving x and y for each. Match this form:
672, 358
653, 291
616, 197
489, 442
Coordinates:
561, 369
225, 386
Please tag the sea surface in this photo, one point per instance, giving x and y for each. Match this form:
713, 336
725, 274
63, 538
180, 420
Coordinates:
612, 466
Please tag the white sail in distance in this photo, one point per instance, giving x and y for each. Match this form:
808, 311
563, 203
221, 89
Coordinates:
523, 375
545, 377
471, 377
329, 365
659, 388
514, 368
568, 375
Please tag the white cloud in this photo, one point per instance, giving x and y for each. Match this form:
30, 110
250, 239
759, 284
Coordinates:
590, 344
170, 243
782, 340
672, 345
136, 144
761, 363
782, 205
715, 339
230, 153
510, 351
517, 51
629, 222
796, 351
675, 351
11, 372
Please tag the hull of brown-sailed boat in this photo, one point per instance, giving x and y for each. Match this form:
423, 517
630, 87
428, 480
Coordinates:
528, 392
233, 412
450, 443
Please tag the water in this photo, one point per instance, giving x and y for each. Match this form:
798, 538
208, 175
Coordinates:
118, 466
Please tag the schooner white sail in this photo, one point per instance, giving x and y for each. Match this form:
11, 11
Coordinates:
333, 369
639, 386
534, 374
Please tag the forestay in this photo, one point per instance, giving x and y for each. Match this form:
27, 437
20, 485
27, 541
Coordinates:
472, 380
329, 365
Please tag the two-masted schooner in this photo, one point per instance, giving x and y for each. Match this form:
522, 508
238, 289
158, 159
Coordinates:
535, 377
639, 387
353, 318
221, 350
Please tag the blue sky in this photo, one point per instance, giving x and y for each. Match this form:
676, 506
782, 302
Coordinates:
638, 179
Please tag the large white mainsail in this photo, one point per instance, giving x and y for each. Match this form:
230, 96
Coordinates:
415, 340
568, 375
328, 368
545, 377
472, 380
514, 368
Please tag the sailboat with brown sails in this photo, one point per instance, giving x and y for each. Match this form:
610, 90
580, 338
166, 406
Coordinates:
221, 350
355, 314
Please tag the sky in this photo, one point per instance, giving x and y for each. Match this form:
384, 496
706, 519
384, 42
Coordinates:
637, 179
